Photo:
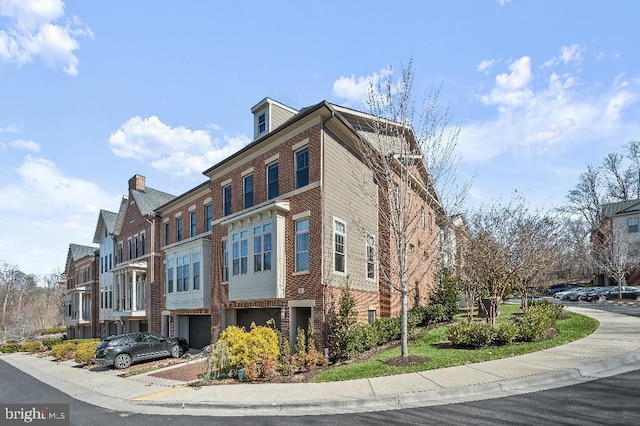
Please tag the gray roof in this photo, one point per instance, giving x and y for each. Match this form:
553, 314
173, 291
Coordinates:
77, 252
620, 207
150, 199
109, 220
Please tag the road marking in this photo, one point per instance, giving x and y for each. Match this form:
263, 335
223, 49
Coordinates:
161, 393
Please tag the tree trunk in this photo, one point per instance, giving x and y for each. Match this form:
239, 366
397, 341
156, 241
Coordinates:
404, 351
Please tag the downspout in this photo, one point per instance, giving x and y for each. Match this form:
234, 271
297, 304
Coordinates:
325, 290
152, 251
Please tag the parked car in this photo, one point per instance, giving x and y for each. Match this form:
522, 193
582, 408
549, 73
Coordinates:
628, 292
122, 350
595, 294
576, 294
560, 287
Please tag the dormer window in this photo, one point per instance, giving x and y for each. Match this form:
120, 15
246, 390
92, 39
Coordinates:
262, 123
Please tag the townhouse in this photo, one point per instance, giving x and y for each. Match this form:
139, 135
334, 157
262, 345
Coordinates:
186, 246
138, 283
81, 315
275, 233
104, 237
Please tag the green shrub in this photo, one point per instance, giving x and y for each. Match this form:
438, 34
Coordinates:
555, 309
64, 350
52, 330
245, 347
11, 347
414, 318
506, 334
33, 346
471, 335
342, 326
448, 295
85, 352
50, 342
387, 329
535, 324
366, 337
435, 313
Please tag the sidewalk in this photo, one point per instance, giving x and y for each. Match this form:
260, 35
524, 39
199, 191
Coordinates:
612, 349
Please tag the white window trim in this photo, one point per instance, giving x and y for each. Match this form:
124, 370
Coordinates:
333, 245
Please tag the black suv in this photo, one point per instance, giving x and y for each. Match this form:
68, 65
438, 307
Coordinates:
122, 350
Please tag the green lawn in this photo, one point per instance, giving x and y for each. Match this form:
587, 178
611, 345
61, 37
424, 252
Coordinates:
429, 344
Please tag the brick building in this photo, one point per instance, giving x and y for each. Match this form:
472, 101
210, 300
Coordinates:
276, 232
138, 294
81, 302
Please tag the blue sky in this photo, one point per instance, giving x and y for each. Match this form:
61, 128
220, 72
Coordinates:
92, 93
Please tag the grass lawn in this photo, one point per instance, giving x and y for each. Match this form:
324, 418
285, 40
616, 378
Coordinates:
430, 344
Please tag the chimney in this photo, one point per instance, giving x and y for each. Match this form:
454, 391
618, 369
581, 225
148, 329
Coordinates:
137, 183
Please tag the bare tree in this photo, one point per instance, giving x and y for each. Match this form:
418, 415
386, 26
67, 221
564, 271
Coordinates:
586, 199
405, 165
633, 154
535, 249
619, 180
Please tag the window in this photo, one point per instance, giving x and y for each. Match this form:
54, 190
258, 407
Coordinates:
179, 274
632, 223
130, 248
143, 244
170, 276
371, 315
262, 123
302, 167
302, 245
182, 270
137, 247
272, 181
166, 234
339, 239
225, 262
193, 222
110, 261
226, 200
240, 252
262, 248
248, 191
120, 250
371, 259
179, 228
208, 217
195, 259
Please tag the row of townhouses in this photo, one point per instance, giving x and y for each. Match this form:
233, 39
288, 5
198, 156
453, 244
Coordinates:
274, 233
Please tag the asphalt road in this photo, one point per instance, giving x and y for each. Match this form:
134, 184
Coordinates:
611, 401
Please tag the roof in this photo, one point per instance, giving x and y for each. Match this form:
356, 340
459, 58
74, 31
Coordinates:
620, 207
109, 220
78, 251
150, 199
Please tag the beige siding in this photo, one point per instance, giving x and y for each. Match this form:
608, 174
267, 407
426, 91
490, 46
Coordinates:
279, 115
351, 196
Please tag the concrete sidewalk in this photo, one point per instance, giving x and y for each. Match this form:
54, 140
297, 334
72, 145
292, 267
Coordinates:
612, 349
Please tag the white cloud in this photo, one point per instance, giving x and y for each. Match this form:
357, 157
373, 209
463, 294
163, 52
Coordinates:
26, 145
536, 114
503, 2
486, 64
44, 210
32, 32
10, 128
573, 53
355, 90
568, 54
177, 151
512, 89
